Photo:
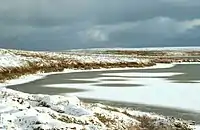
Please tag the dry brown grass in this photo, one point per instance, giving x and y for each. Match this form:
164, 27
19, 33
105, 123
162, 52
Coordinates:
105, 120
148, 123
52, 65
136, 53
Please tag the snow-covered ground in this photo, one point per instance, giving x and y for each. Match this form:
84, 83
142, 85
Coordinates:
19, 111
105, 58
25, 111
12, 60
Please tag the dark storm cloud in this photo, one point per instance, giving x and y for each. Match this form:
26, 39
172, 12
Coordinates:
64, 24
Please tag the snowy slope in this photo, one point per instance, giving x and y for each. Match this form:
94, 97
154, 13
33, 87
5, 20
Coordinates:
9, 59
19, 111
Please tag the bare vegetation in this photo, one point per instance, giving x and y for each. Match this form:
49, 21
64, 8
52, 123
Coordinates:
161, 56
56, 62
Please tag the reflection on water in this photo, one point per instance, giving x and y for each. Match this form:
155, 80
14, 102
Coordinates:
126, 86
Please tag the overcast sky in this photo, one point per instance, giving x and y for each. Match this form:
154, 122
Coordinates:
67, 24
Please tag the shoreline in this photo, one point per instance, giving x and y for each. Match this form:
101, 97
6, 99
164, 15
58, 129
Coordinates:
161, 110
22, 63
33, 77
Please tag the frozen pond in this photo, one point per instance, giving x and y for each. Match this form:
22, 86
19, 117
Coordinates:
170, 91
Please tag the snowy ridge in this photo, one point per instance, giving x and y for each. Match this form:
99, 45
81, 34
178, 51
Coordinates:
167, 48
102, 58
15, 58
142, 49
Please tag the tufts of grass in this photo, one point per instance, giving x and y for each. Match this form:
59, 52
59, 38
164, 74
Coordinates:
148, 123
104, 119
111, 109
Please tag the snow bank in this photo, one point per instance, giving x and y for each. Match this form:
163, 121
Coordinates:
19, 111
25, 111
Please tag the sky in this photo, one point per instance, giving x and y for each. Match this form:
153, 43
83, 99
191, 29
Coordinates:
70, 24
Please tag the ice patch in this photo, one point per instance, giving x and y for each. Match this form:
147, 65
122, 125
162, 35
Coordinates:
155, 91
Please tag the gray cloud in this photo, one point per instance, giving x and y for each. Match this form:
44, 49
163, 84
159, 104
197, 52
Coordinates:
65, 24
